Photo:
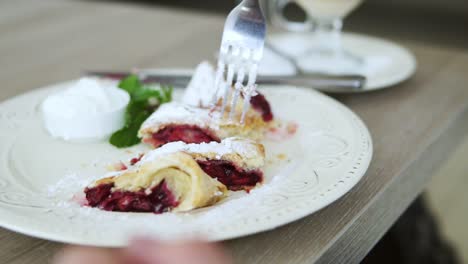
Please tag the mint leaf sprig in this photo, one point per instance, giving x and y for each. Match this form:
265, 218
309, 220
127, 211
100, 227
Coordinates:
144, 100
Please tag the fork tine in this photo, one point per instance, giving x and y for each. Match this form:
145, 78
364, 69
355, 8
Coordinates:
227, 87
245, 57
237, 89
218, 82
249, 90
253, 74
245, 108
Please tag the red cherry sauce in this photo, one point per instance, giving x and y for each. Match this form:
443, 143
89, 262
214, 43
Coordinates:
136, 159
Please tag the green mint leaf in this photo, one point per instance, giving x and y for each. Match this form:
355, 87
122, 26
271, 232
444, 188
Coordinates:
141, 106
124, 138
134, 108
131, 84
127, 136
146, 94
167, 93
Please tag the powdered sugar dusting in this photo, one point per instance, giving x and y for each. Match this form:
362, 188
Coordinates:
68, 191
243, 147
66, 185
201, 88
178, 113
239, 203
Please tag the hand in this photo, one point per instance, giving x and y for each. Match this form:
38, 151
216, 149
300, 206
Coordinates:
147, 251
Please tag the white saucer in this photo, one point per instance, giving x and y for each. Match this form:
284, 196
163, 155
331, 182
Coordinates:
387, 63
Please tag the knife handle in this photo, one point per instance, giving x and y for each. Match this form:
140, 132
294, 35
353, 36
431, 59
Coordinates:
326, 82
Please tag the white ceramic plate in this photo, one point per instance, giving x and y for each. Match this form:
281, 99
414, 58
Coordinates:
387, 63
328, 156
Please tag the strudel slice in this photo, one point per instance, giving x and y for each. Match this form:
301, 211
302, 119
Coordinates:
171, 182
180, 122
236, 162
181, 177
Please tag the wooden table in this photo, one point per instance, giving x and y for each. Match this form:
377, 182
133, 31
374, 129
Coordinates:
414, 125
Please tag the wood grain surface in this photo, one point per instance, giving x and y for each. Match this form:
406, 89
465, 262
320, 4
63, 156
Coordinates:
414, 125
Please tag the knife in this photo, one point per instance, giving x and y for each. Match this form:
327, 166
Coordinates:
328, 83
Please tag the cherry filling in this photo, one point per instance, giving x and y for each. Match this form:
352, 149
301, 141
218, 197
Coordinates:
185, 133
260, 103
96, 195
159, 201
230, 175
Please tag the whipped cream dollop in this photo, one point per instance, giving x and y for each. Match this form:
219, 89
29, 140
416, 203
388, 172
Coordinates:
87, 110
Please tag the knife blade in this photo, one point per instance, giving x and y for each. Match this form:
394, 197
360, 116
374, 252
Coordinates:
324, 82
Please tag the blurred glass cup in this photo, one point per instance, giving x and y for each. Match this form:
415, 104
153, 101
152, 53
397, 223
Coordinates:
325, 21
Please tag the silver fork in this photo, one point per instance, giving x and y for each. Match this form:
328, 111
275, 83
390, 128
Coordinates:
240, 53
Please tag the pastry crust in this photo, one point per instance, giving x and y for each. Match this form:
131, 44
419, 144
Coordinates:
244, 153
